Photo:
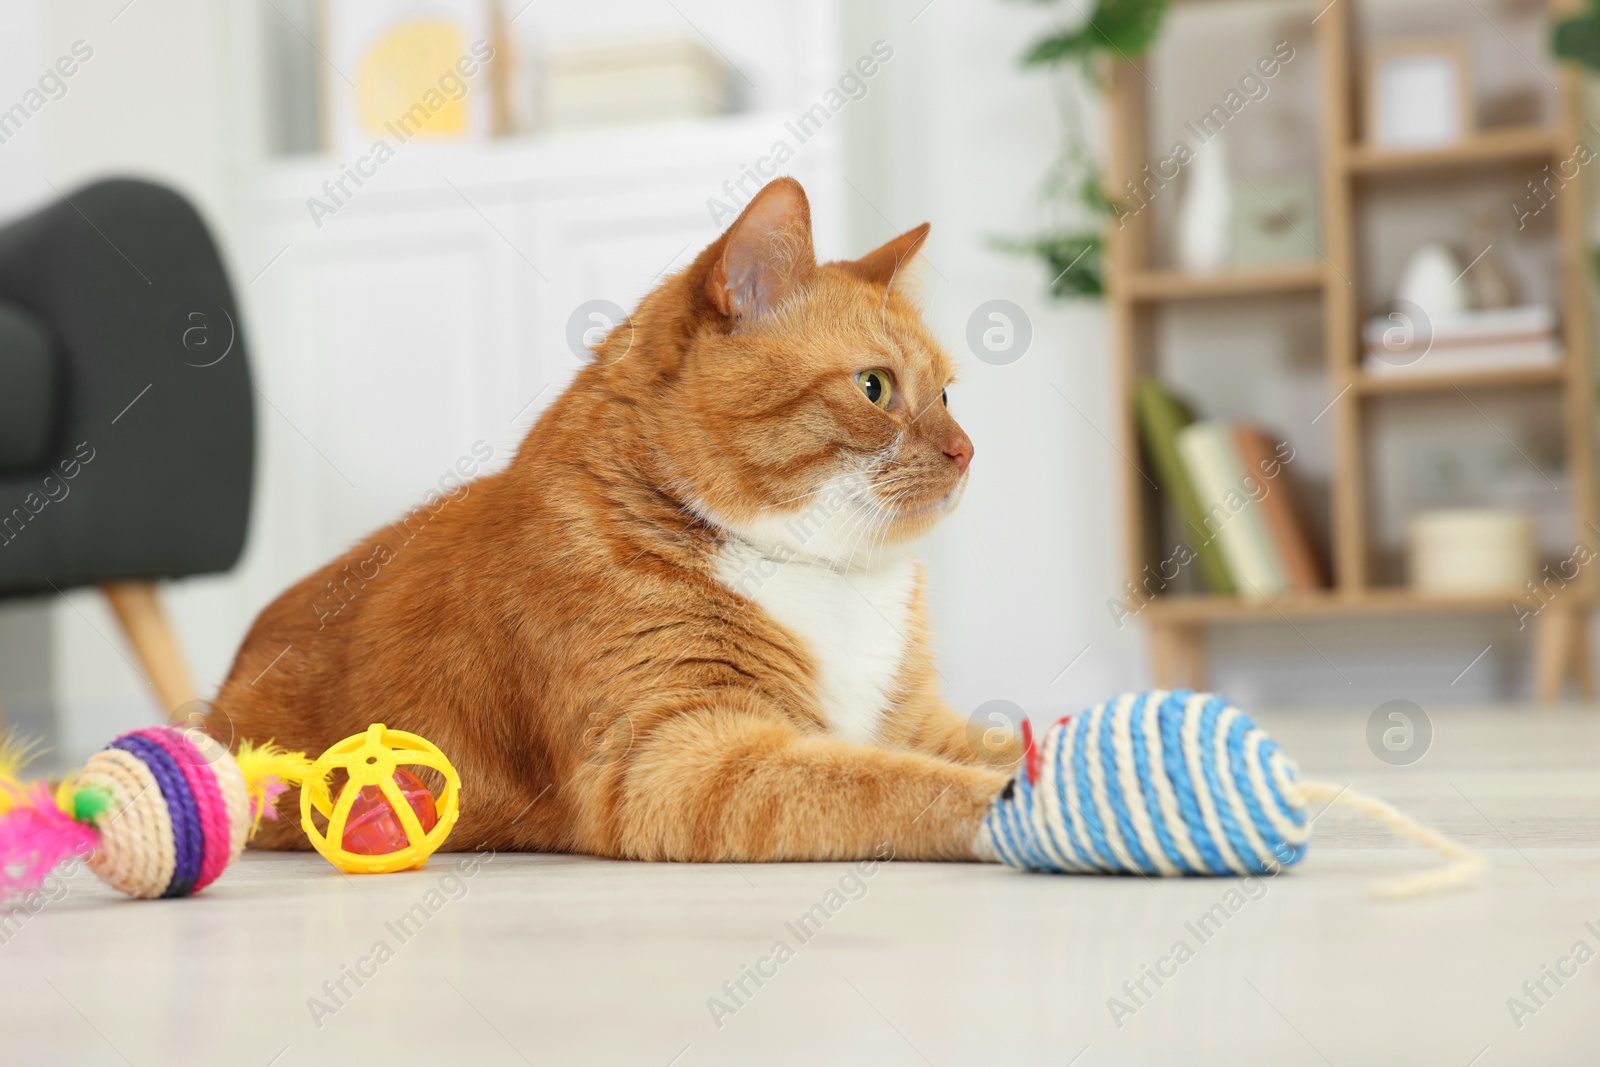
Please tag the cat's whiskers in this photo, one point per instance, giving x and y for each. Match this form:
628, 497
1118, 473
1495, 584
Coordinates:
794, 499
870, 467
844, 548
872, 493
885, 496
882, 521
863, 500
866, 519
880, 537
862, 529
891, 505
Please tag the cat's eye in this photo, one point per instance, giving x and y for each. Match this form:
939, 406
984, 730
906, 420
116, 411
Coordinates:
944, 397
876, 386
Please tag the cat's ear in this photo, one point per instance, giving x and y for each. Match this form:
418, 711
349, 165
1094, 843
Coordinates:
766, 253
879, 265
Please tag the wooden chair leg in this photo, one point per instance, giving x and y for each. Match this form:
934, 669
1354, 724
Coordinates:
1179, 654
1554, 640
138, 609
1582, 662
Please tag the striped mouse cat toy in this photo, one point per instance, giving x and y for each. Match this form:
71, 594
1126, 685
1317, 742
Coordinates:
159, 812
1178, 783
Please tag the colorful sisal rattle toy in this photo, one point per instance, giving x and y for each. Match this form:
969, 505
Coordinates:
384, 818
159, 812
1178, 783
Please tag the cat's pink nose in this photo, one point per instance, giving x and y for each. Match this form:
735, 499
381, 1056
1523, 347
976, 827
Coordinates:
959, 448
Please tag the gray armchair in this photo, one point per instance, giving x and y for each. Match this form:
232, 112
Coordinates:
127, 430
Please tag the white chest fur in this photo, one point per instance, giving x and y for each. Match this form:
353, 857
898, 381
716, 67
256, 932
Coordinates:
854, 623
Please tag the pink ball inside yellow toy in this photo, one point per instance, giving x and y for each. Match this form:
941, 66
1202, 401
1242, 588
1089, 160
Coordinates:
374, 827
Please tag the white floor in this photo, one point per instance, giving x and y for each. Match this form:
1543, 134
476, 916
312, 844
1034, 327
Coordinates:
563, 960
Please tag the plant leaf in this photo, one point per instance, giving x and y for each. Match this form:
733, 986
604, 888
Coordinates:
1126, 27
1075, 261
1578, 39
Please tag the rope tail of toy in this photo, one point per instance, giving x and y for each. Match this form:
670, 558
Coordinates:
1464, 863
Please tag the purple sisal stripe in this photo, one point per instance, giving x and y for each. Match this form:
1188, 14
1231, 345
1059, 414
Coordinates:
188, 839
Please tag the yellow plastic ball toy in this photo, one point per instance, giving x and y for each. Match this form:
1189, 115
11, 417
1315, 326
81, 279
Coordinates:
384, 818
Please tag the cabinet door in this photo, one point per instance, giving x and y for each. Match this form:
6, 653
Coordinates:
607, 249
388, 344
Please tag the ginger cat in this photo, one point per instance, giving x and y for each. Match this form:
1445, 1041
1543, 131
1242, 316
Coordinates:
685, 622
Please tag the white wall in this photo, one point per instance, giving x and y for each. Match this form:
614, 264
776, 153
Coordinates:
21, 63
25, 627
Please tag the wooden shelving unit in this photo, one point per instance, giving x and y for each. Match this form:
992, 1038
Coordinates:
1242, 283
1325, 605
1507, 378
1490, 148
1137, 289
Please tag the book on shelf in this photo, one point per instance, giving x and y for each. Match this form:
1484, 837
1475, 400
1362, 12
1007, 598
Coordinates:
1162, 417
1229, 487
1282, 510
1444, 359
1478, 340
1209, 455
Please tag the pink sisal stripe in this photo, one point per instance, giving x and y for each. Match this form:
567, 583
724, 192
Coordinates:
208, 799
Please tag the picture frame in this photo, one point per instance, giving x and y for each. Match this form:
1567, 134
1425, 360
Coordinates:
404, 70
1419, 94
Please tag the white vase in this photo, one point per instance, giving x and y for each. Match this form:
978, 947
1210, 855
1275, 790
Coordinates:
1205, 215
1429, 281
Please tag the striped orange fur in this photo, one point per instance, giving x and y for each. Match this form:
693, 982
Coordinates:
684, 623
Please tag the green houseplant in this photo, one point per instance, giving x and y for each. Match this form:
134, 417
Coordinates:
1072, 249
1578, 37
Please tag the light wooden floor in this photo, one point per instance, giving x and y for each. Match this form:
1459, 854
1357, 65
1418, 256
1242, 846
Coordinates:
564, 960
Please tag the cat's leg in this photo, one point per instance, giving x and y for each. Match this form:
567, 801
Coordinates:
734, 785
925, 723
